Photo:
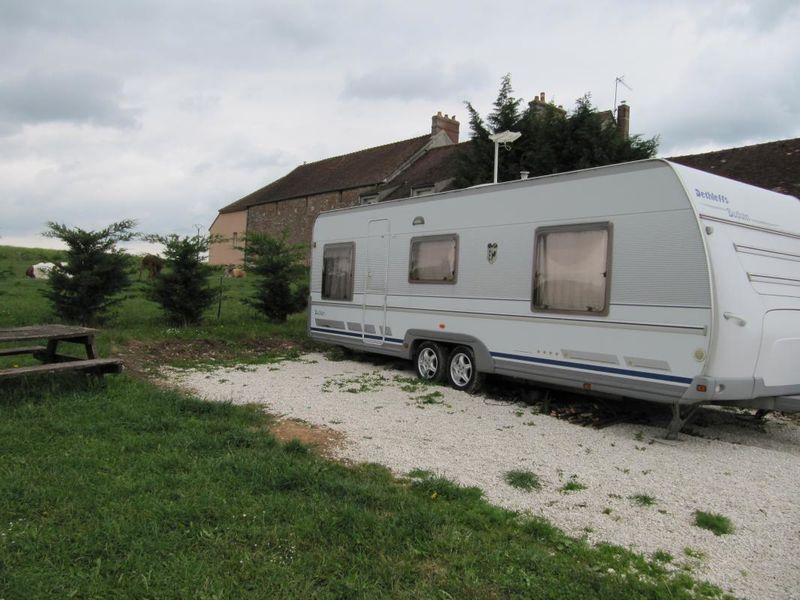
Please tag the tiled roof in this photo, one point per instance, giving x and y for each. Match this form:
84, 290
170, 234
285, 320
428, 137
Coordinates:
365, 167
437, 166
773, 165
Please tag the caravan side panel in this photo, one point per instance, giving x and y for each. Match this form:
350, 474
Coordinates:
652, 341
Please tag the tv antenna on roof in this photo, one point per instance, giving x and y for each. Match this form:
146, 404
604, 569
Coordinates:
617, 81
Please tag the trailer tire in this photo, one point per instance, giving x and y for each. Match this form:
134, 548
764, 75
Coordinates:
430, 362
462, 372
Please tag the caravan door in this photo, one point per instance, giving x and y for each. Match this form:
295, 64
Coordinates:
373, 313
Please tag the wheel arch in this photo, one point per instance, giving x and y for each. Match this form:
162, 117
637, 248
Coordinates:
483, 359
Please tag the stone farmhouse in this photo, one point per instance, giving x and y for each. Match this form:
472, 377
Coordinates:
427, 164
292, 202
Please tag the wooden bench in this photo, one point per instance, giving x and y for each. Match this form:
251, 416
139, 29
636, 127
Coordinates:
53, 361
95, 366
23, 350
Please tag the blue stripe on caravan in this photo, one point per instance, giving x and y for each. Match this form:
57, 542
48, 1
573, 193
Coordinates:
563, 363
355, 335
531, 359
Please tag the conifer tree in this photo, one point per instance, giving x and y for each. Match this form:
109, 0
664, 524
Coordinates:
84, 289
281, 282
506, 113
553, 140
182, 288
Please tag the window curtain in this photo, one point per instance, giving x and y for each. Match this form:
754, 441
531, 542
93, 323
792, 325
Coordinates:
337, 272
571, 270
433, 260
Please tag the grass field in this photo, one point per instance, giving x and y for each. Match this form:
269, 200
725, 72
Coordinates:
238, 332
129, 490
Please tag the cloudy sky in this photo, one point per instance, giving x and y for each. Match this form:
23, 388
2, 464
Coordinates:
164, 111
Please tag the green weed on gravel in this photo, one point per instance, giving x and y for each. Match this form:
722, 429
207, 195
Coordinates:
433, 397
366, 382
643, 499
693, 553
715, 523
573, 485
523, 480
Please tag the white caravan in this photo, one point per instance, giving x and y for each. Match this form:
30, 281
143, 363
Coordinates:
647, 280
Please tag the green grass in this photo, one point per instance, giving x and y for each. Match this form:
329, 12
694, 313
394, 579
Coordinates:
420, 474
716, 523
239, 335
523, 480
663, 556
129, 490
132, 491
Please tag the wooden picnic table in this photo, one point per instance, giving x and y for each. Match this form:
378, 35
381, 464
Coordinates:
54, 362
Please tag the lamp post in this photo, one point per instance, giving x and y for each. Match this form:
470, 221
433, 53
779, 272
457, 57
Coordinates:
505, 138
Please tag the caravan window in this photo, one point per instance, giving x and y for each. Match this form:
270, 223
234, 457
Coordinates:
337, 271
571, 268
433, 259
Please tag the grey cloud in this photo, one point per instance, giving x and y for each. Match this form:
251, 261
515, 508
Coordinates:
238, 35
409, 82
67, 14
239, 92
724, 125
234, 34
200, 102
723, 131
761, 15
724, 109
258, 160
78, 97
244, 156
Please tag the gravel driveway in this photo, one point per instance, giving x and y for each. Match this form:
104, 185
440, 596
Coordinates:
750, 475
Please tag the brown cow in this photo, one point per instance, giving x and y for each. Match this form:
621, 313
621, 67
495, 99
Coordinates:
152, 264
235, 272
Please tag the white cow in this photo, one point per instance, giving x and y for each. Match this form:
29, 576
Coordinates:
42, 270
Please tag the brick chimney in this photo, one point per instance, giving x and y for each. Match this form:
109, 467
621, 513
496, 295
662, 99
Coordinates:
448, 124
623, 119
539, 104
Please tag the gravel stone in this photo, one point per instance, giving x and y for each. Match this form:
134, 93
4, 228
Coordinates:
750, 476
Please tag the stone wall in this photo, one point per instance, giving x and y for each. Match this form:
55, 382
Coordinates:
297, 215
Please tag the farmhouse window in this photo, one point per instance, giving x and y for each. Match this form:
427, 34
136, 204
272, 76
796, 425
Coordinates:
337, 271
421, 191
433, 259
571, 268
368, 199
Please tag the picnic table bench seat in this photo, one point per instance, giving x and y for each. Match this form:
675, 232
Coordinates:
22, 350
97, 366
53, 362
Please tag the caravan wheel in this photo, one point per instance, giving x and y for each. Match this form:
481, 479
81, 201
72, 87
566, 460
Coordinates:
462, 372
430, 362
